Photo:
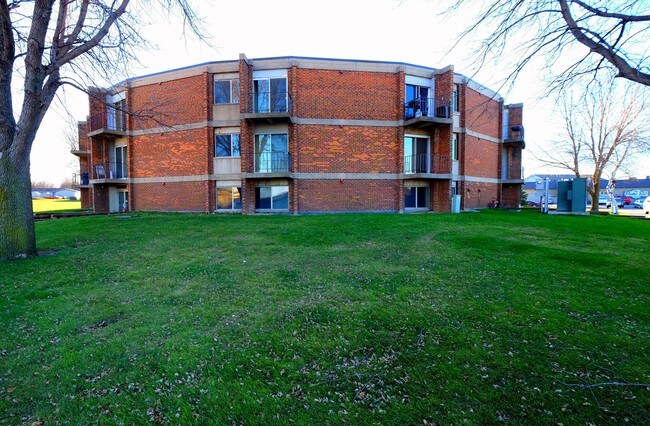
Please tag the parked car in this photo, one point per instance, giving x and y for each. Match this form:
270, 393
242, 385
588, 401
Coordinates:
619, 202
628, 200
646, 207
603, 201
638, 203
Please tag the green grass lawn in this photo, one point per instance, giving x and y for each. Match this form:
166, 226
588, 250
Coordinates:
484, 318
42, 205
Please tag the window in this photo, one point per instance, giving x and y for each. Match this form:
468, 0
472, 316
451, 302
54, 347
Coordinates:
270, 95
226, 146
271, 153
454, 99
226, 91
229, 198
454, 147
416, 197
417, 101
272, 198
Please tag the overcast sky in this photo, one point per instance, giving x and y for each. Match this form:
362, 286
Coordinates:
409, 31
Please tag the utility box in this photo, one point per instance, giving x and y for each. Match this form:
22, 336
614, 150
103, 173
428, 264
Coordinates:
572, 195
455, 203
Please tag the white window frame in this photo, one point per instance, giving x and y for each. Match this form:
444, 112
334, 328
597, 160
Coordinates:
231, 150
232, 198
455, 99
428, 197
271, 208
455, 146
234, 83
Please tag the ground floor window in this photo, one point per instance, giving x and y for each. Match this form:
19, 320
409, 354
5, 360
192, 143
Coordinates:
272, 198
416, 197
229, 198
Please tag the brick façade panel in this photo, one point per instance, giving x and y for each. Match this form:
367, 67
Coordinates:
347, 195
347, 149
480, 157
169, 103
170, 196
352, 95
481, 114
170, 154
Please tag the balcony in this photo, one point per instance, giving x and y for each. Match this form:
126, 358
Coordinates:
110, 172
271, 164
111, 123
427, 165
81, 150
80, 180
427, 112
269, 106
515, 135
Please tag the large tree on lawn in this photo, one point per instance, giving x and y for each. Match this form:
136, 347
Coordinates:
45, 44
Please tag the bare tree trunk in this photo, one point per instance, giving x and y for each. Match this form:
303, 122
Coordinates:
17, 238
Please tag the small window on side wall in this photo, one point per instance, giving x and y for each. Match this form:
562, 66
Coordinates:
229, 198
226, 146
226, 91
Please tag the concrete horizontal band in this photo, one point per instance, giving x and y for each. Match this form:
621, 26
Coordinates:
316, 176
300, 121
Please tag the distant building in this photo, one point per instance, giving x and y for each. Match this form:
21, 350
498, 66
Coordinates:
55, 192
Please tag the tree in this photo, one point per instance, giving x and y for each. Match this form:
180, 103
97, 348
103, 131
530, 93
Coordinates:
605, 128
47, 44
574, 38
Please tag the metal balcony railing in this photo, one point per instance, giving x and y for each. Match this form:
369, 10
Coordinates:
79, 179
273, 162
112, 120
427, 163
427, 107
270, 103
111, 170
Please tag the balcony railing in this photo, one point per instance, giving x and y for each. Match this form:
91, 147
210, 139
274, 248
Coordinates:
80, 179
273, 162
111, 170
115, 121
427, 163
270, 103
427, 107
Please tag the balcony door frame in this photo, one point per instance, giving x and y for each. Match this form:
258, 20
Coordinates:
416, 144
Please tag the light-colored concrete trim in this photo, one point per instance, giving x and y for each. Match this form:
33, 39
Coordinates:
519, 105
479, 179
347, 176
173, 179
308, 176
182, 127
477, 135
345, 122
477, 87
445, 69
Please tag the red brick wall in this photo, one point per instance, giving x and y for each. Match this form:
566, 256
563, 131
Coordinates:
348, 195
480, 157
170, 103
444, 84
351, 149
481, 113
351, 95
183, 153
478, 194
510, 195
100, 198
86, 198
170, 196
440, 194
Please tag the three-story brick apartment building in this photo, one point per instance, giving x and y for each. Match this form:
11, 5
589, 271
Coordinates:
300, 135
